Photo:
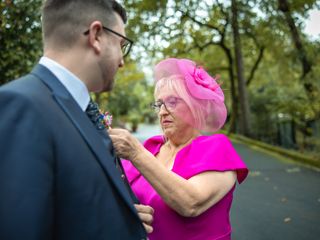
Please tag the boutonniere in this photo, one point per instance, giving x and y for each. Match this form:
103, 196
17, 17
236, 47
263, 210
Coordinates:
105, 119
99, 119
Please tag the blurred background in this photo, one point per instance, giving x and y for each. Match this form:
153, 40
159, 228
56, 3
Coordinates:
267, 54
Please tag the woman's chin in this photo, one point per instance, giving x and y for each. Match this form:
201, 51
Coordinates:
168, 131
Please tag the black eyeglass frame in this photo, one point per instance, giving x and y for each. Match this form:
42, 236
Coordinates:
128, 41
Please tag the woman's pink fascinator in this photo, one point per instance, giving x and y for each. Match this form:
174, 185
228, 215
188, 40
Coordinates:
201, 87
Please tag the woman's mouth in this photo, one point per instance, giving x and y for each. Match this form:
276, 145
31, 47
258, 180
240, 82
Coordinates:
166, 122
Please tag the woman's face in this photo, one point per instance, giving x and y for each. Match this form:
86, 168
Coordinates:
173, 113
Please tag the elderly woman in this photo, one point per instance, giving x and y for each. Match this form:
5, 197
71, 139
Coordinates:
186, 177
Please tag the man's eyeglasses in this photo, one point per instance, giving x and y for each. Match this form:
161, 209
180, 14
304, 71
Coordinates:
125, 47
170, 104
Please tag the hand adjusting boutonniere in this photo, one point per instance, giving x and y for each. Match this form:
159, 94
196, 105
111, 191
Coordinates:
202, 78
100, 120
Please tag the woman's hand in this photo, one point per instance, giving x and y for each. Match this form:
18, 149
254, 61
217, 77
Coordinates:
146, 216
126, 145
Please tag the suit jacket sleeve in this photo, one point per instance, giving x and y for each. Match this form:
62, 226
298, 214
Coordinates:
26, 169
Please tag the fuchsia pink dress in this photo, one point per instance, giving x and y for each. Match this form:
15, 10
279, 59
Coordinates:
205, 153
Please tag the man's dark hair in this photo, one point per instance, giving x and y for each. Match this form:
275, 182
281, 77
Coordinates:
64, 20
120, 10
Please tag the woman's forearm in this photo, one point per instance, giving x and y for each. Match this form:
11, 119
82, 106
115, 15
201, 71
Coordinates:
177, 192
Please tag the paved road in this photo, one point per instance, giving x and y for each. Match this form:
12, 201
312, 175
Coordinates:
279, 199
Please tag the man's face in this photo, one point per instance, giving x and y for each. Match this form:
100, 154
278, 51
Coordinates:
111, 55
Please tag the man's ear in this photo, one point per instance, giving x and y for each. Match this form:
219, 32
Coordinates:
95, 36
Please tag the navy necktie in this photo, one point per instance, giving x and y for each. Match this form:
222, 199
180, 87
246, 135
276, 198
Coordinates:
94, 115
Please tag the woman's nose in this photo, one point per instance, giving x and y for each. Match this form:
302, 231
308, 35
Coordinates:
163, 110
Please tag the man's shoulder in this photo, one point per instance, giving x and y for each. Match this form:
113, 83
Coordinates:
13, 84
23, 85
24, 91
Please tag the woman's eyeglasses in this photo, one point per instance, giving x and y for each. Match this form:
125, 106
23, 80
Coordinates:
170, 104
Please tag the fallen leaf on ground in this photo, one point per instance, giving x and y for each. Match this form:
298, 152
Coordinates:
254, 173
287, 219
293, 170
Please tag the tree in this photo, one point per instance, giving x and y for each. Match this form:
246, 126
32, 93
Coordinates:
202, 31
198, 30
311, 88
275, 54
244, 106
130, 99
20, 37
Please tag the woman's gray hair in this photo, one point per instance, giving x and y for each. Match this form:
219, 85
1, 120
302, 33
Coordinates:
198, 107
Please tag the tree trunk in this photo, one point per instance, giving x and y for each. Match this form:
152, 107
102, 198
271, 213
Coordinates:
306, 64
234, 97
244, 113
311, 89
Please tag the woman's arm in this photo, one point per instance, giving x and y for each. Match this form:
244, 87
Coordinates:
189, 197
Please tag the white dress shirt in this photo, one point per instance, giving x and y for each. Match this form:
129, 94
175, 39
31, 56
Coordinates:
72, 83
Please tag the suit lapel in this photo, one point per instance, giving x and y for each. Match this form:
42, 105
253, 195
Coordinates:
85, 127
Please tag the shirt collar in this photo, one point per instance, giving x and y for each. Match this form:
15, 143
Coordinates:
72, 83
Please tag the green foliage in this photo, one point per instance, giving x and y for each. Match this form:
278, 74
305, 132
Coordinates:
130, 99
20, 37
195, 29
191, 29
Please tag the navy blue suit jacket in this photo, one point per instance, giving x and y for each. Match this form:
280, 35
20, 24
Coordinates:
57, 177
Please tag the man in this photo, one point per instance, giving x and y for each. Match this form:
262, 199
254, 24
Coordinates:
58, 179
